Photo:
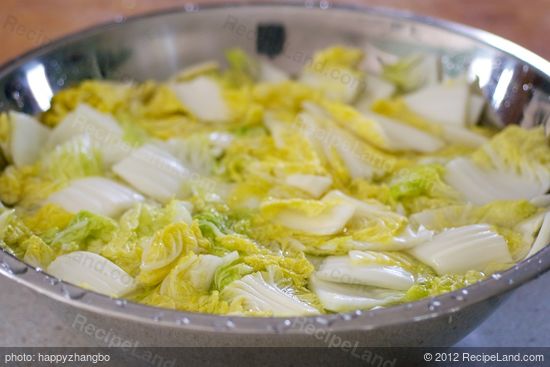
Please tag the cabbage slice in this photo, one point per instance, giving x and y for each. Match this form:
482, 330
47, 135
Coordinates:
309, 216
405, 137
341, 269
334, 72
413, 71
196, 271
405, 239
543, 237
463, 136
339, 297
28, 137
92, 271
312, 184
84, 119
95, 194
203, 96
270, 73
102, 130
483, 185
458, 250
475, 108
153, 171
360, 160
258, 293
375, 88
441, 103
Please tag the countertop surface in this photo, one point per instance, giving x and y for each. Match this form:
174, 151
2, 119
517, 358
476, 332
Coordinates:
24, 24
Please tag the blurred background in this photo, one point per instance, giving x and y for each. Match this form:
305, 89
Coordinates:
26, 24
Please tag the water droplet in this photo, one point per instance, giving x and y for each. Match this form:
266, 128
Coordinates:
525, 68
183, 321
60, 82
408, 306
496, 276
346, 317
322, 320
15, 266
324, 4
5, 267
279, 328
507, 104
358, 313
53, 281
121, 302
450, 319
72, 293
158, 317
190, 7
465, 292
230, 324
458, 297
511, 281
526, 87
540, 261
434, 305
119, 19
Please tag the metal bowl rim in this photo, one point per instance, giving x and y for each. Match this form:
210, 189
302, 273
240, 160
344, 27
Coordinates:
427, 308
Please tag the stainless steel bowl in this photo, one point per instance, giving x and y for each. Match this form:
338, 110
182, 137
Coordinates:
157, 45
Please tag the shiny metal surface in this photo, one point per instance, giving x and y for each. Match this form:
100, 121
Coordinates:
156, 46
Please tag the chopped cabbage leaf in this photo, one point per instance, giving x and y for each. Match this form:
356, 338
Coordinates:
153, 171
27, 139
412, 71
481, 186
442, 103
341, 269
76, 158
267, 293
46, 217
309, 216
85, 230
458, 250
524, 152
433, 285
95, 194
334, 71
25, 187
161, 254
338, 297
204, 97
38, 253
105, 96
422, 187
93, 272
312, 184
